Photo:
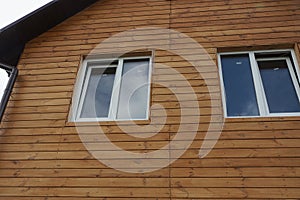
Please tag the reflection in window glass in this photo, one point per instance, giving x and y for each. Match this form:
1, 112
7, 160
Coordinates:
134, 90
239, 86
278, 85
260, 83
98, 95
115, 91
4, 77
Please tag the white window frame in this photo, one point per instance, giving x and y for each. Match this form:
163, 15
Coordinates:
82, 81
258, 85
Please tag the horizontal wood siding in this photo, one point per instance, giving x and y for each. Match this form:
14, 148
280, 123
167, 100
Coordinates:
42, 156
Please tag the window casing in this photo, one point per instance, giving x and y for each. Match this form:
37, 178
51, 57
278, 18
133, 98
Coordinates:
260, 83
112, 90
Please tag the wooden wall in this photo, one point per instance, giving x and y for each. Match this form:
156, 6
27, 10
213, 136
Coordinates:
41, 154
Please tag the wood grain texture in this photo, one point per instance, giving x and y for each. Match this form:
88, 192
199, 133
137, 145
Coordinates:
42, 156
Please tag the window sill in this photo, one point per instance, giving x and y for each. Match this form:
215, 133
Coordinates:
263, 118
110, 123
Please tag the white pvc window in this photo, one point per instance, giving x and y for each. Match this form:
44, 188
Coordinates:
110, 90
260, 83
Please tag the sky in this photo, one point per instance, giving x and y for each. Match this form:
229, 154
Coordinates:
3, 81
10, 11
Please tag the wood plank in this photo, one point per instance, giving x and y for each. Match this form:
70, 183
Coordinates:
55, 77
87, 182
237, 162
84, 192
35, 116
188, 163
79, 173
70, 132
74, 164
43, 123
230, 193
244, 153
42, 102
235, 182
39, 95
257, 172
254, 172
38, 109
179, 8
191, 154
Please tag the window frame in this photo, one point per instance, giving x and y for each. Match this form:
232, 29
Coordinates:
82, 81
258, 85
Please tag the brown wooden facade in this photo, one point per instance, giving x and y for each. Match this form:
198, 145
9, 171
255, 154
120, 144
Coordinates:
42, 156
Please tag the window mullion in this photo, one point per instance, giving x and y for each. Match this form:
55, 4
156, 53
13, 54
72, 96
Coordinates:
149, 88
116, 91
259, 89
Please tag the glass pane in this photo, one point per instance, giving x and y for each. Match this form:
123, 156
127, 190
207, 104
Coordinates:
98, 94
134, 90
278, 85
239, 87
4, 77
